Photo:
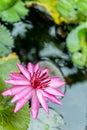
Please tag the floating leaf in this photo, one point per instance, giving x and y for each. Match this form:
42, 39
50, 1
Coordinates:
73, 10
5, 4
8, 119
82, 5
6, 41
8, 64
79, 59
50, 7
66, 9
13, 121
77, 44
13, 14
46, 122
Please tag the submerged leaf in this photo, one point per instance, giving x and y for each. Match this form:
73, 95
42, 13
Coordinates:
8, 119
6, 41
13, 14
46, 122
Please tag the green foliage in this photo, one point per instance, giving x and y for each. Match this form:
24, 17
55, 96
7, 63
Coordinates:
13, 13
73, 10
5, 4
6, 41
11, 121
77, 44
66, 9
8, 119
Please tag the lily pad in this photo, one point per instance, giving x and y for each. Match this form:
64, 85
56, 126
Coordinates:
46, 122
77, 44
13, 14
8, 119
5, 4
66, 9
7, 65
73, 10
6, 41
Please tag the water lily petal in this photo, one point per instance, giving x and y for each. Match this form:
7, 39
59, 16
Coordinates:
34, 106
24, 71
22, 102
42, 100
56, 82
17, 76
12, 91
44, 74
37, 67
54, 91
31, 68
21, 94
18, 82
52, 98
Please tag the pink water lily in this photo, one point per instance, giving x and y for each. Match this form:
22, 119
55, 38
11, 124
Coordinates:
33, 83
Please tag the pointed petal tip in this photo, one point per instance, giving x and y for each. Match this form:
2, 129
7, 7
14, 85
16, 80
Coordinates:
63, 94
6, 93
18, 64
34, 116
47, 111
13, 100
30, 64
15, 110
37, 67
58, 103
7, 81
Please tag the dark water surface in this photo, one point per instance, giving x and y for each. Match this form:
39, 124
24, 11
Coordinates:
36, 40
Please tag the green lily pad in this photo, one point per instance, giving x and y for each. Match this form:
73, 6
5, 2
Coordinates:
6, 41
82, 5
13, 14
7, 65
8, 119
73, 10
66, 9
79, 59
5, 4
77, 44
46, 122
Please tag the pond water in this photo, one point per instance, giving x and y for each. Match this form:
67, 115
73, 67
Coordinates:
36, 40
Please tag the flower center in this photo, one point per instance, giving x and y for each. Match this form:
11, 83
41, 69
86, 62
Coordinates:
36, 83
39, 82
